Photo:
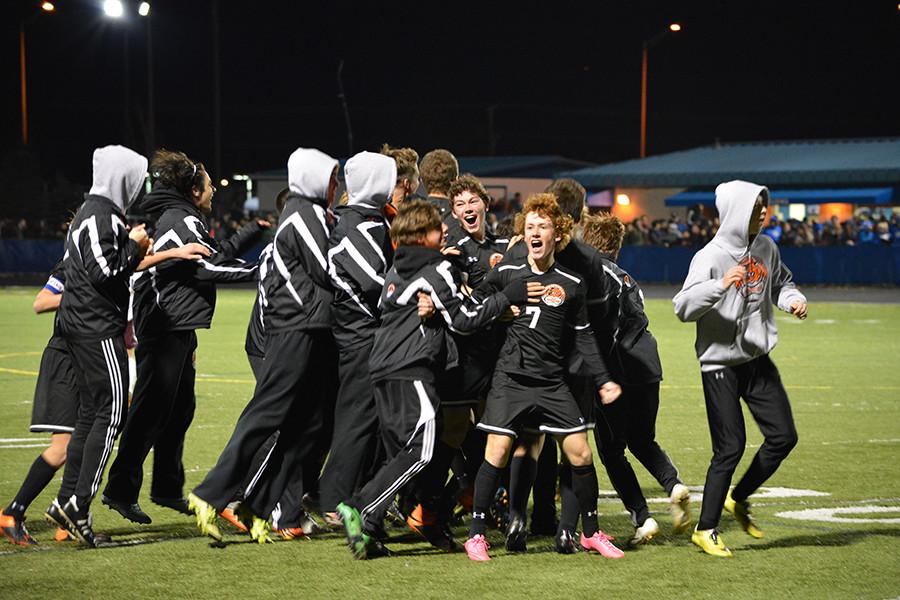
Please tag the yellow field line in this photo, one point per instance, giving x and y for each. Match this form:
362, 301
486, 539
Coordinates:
18, 372
14, 354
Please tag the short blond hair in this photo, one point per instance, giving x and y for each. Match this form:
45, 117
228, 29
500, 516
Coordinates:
545, 205
406, 159
604, 232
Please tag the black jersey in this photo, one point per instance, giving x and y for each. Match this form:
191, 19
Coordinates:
405, 345
455, 232
56, 284
99, 260
478, 258
623, 335
538, 340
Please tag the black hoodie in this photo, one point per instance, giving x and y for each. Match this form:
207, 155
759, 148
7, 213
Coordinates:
180, 295
407, 347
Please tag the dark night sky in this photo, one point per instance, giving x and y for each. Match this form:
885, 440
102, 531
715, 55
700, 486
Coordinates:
564, 77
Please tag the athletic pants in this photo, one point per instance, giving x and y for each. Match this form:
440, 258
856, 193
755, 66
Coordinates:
101, 373
287, 398
631, 421
161, 411
355, 444
406, 413
759, 384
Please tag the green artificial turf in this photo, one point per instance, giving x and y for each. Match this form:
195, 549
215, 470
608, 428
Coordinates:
840, 368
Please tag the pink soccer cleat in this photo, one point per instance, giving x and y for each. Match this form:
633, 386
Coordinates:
602, 544
477, 547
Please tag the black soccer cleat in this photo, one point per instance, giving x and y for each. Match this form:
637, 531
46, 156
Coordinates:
565, 542
180, 505
54, 516
132, 512
79, 523
516, 535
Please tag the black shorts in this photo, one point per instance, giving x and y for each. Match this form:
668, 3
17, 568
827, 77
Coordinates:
518, 403
465, 385
585, 392
56, 394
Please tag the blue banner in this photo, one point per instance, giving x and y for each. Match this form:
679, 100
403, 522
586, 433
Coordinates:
832, 265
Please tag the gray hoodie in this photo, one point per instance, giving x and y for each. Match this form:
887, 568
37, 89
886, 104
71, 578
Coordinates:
736, 325
370, 179
118, 174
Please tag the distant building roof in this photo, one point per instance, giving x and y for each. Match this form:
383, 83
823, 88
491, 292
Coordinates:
536, 166
786, 163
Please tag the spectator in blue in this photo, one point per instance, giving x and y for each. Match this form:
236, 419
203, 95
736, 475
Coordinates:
773, 229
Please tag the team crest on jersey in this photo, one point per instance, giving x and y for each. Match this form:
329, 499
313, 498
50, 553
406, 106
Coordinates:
754, 281
554, 295
391, 288
495, 258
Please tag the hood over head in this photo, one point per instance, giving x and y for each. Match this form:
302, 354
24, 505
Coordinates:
370, 179
118, 174
309, 172
734, 201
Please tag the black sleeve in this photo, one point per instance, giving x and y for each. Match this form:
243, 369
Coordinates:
494, 281
585, 343
219, 266
244, 239
463, 315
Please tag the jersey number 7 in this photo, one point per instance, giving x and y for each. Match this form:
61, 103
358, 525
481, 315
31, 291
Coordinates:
536, 312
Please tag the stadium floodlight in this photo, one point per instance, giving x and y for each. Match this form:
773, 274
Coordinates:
113, 8
623, 199
676, 27
224, 183
144, 9
48, 7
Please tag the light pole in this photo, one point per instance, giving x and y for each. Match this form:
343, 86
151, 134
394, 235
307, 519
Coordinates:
115, 9
23, 79
674, 28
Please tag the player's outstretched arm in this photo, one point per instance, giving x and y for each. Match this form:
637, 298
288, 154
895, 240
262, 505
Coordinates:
190, 251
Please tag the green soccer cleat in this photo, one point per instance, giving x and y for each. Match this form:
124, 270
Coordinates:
357, 540
257, 527
206, 517
710, 542
741, 512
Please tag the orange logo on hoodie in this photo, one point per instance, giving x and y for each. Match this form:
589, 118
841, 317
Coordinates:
754, 281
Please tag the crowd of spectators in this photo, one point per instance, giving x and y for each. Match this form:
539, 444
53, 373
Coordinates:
696, 229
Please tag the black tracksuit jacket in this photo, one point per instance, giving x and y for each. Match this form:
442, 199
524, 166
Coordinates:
359, 255
407, 347
297, 288
99, 260
180, 295
625, 341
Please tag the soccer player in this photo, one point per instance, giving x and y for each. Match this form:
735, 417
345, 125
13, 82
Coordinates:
730, 288
54, 410
359, 255
101, 254
463, 389
407, 177
438, 170
630, 350
528, 392
170, 303
289, 393
407, 354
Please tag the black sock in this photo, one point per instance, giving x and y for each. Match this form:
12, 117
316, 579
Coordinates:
584, 482
485, 487
430, 482
569, 507
521, 478
39, 475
